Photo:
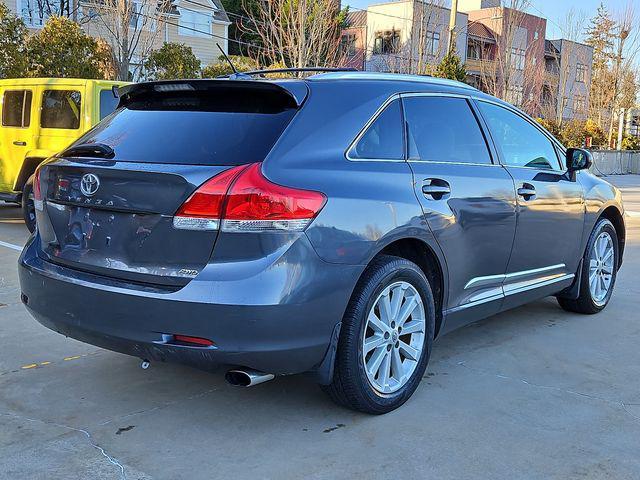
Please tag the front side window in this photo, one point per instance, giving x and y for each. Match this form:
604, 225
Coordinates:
383, 139
444, 129
522, 144
16, 108
108, 103
61, 109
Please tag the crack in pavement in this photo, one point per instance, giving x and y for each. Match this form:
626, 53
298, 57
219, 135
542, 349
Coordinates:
618, 403
112, 460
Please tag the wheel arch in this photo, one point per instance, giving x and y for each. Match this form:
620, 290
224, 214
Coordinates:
424, 255
28, 169
614, 215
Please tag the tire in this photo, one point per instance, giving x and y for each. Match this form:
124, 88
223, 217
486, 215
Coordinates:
28, 208
590, 300
354, 388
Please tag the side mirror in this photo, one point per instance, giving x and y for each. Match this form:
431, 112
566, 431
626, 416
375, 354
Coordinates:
578, 159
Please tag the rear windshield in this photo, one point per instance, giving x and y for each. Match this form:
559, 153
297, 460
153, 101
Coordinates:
195, 129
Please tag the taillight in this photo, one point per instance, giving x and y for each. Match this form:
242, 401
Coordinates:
37, 191
245, 201
203, 209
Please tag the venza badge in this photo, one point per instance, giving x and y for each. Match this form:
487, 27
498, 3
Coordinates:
89, 184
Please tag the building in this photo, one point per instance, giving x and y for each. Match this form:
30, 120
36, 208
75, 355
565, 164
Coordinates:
507, 52
568, 70
199, 24
404, 36
353, 42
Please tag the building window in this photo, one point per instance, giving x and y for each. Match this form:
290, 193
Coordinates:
387, 42
473, 51
517, 58
433, 43
536, 35
579, 104
515, 95
348, 44
581, 73
194, 24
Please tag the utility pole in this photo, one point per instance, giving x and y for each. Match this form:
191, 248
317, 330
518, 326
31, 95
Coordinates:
452, 26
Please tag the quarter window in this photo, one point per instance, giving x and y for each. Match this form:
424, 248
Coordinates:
60, 109
383, 139
522, 144
444, 129
16, 108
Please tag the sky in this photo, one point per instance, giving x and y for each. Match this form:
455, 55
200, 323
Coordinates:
554, 11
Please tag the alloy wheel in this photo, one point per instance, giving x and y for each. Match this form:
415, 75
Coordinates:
601, 268
394, 337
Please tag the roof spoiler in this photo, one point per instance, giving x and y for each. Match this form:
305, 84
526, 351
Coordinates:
294, 93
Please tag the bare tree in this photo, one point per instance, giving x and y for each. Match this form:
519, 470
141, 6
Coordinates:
131, 28
296, 33
569, 55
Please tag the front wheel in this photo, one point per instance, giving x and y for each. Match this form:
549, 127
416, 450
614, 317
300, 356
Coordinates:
599, 271
386, 337
28, 207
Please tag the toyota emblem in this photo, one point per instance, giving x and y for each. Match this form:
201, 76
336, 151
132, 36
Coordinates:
89, 184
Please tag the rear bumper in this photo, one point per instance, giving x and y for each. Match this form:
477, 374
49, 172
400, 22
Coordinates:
284, 327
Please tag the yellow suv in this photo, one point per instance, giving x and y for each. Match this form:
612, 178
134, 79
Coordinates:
40, 117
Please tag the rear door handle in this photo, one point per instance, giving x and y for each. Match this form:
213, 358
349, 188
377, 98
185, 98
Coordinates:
435, 188
527, 191
20, 144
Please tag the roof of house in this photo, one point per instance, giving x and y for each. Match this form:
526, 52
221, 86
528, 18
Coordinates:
220, 13
357, 18
480, 30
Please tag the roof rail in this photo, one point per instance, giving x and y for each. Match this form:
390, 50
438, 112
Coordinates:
239, 75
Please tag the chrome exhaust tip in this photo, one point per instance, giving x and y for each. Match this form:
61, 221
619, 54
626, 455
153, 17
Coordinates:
247, 378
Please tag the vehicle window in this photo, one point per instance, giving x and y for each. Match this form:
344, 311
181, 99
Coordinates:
16, 108
108, 103
444, 129
195, 128
383, 139
60, 109
522, 144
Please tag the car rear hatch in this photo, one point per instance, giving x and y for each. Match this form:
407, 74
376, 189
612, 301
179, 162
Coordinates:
109, 200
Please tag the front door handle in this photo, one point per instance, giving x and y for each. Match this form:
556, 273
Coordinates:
20, 144
435, 188
527, 191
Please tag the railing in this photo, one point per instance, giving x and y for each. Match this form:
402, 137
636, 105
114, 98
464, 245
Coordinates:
615, 162
479, 66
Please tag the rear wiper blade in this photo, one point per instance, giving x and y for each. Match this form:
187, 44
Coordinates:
99, 150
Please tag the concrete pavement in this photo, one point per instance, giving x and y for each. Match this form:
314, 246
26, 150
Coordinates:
534, 393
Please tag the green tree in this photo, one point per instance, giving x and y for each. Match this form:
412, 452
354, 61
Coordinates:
13, 58
241, 36
451, 67
551, 125
62, 49
222, 67
593, 130
172, 60
630, 143
573, 134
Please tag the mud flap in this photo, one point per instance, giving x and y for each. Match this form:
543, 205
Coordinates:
573, 292
323, 374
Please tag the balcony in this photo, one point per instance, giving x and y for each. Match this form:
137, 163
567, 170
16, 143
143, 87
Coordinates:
475, 66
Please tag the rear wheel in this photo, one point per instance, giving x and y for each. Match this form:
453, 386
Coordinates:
28, 207
598, 273
386, 338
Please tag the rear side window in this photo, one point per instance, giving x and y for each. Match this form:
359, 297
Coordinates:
212, 128
383, 139
444, 129
108, 103
16, 108
61, 109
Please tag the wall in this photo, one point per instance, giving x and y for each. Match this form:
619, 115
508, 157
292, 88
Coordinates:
615, 162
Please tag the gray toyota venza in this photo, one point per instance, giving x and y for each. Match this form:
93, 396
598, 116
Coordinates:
333, 225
